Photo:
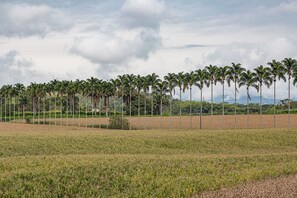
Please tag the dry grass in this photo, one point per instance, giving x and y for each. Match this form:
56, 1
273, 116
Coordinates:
285, 187
209, 122
54, 161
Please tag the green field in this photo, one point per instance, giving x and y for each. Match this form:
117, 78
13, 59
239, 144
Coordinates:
91, 163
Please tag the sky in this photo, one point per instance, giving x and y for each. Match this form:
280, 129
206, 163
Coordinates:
45, 39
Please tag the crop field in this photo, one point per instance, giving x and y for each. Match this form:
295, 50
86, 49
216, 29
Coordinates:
175, 122
53, 161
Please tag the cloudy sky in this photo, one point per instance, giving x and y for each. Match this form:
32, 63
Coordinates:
45, 39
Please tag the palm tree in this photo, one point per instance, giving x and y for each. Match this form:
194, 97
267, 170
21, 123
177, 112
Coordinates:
170, 78
262, 77
19, 90
138, 80
145, 88
153, 80
122, 82
234, 74
162, 89
221, 75
130, 86
248, 79
115, 86
53, 84
180, 82
289, 66
191, 79
202, 79
277, 71
211, 69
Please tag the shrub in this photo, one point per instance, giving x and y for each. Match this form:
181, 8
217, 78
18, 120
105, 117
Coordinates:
28, 120
118, 122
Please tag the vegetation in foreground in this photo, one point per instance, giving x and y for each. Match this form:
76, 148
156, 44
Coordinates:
89, 163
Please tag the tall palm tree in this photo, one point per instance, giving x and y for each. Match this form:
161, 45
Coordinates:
221, 75
181, 81
130, 86
115, 86
211, 69
153, 79
162, 90
54, 84
234, 73
170, 78
202, 79
277, 71
191, 79
122, 87
289, 67
262, 77
138, 80
145, 88
248, 79
19, 90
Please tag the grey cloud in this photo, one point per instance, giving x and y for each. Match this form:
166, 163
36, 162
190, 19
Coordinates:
192, 46
26, 20
14, 68
142, 13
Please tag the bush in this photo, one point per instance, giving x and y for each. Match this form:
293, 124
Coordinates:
28, 120
118, 122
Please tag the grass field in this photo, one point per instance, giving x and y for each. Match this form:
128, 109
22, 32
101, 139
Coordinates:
52, 161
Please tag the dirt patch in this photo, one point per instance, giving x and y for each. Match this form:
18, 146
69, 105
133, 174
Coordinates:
285, 187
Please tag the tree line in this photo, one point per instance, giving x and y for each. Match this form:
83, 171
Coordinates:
73, 97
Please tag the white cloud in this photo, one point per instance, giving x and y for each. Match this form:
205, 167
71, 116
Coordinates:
134, 37
27, 20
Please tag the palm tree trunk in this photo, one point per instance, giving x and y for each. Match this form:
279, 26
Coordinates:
5, 108
235, 105
39, 110
86, 113
247, 107
55, 110
92, 101
223, 120
138, 106
211, 103
130, 110
100, 107
122, 109
289, 102
261, 106
145, 124
67, 111
32, 110
49, 111
161, 112
191, 107
61, 113
152, 111
23, 114
44, 119
170, 106
201, 108
1, 111
14, 109
180, 108
274, 110
79, 111
73, 109
106, 112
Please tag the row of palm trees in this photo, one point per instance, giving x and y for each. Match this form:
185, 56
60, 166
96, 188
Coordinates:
128, 86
